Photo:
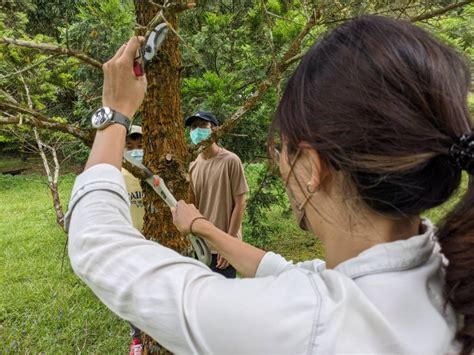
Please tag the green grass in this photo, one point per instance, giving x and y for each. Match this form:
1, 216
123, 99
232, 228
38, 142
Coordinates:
33, 165
292, 242
11, 162
45, 308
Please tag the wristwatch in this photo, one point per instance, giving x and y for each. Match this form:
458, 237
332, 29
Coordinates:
105, 116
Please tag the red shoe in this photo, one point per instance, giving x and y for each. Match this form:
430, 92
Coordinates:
136, 348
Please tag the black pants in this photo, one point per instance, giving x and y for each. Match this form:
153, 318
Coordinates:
134, 331
229, 272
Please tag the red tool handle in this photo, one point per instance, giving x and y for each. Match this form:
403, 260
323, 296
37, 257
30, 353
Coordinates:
138, 69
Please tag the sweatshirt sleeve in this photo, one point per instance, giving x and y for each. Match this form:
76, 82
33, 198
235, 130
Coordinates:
177, 300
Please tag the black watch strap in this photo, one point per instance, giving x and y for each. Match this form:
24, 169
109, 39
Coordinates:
122, 119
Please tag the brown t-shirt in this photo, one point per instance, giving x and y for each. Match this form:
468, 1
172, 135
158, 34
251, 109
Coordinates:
215, 182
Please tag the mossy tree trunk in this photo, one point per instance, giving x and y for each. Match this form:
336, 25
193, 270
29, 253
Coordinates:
165, 147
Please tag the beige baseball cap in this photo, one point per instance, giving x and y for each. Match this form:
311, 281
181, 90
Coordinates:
135, 129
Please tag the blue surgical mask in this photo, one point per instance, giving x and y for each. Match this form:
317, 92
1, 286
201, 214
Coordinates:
137, 154
200, 134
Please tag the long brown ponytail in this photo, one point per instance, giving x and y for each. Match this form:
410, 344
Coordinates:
456, 237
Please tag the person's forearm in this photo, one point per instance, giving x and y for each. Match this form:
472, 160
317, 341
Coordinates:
108, 146
244, 257
236, 219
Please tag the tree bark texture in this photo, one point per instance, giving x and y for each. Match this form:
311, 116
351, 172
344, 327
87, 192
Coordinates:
163, 130
52, 178
164, 144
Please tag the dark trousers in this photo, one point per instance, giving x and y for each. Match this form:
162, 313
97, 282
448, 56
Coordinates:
134, 331
229, 272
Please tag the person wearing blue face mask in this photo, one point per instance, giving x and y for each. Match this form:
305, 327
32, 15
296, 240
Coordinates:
217, 186
133, 144
199, 134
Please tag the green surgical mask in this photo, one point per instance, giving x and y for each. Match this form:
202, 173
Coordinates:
200, 134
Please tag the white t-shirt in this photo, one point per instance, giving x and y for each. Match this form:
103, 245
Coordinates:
387, 300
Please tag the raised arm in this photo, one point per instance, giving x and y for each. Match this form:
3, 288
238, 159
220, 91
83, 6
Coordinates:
118, 74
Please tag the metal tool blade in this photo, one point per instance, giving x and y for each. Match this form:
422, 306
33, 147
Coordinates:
158, 185
154, 41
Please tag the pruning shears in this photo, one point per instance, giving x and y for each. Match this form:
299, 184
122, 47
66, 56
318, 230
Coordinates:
153, 42
158, 185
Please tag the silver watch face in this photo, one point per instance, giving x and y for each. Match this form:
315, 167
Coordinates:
102, 117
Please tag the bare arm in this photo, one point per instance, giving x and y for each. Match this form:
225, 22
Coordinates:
123, 92
244, 257
237, 215
108, 147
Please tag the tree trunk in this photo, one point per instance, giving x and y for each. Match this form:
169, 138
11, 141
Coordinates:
164, 144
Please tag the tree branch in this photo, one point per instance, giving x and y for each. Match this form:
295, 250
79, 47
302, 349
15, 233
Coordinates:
37, 119
424, 16
52, 179
273, 76
9, 120
294, 59
181, 6
52, 48
8, 96
85, 136
291, 56
29, 67
132, 169
404, 9
438, 12
296, 44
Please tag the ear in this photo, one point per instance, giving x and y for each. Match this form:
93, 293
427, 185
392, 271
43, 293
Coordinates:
316, 165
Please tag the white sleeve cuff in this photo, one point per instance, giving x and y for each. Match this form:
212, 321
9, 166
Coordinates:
272, 265
98, 177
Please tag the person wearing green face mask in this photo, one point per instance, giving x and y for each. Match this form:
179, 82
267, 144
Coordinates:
200, 134
201, 125
218, 185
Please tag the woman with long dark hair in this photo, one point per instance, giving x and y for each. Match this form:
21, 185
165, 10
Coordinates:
374, 130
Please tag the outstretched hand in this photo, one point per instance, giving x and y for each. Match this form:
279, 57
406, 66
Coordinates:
123, 91
183, 216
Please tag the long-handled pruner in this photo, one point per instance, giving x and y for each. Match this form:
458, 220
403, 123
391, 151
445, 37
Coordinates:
158, 185
153, 42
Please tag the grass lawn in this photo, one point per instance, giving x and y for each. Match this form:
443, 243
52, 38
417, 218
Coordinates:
32, 165
44, 307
